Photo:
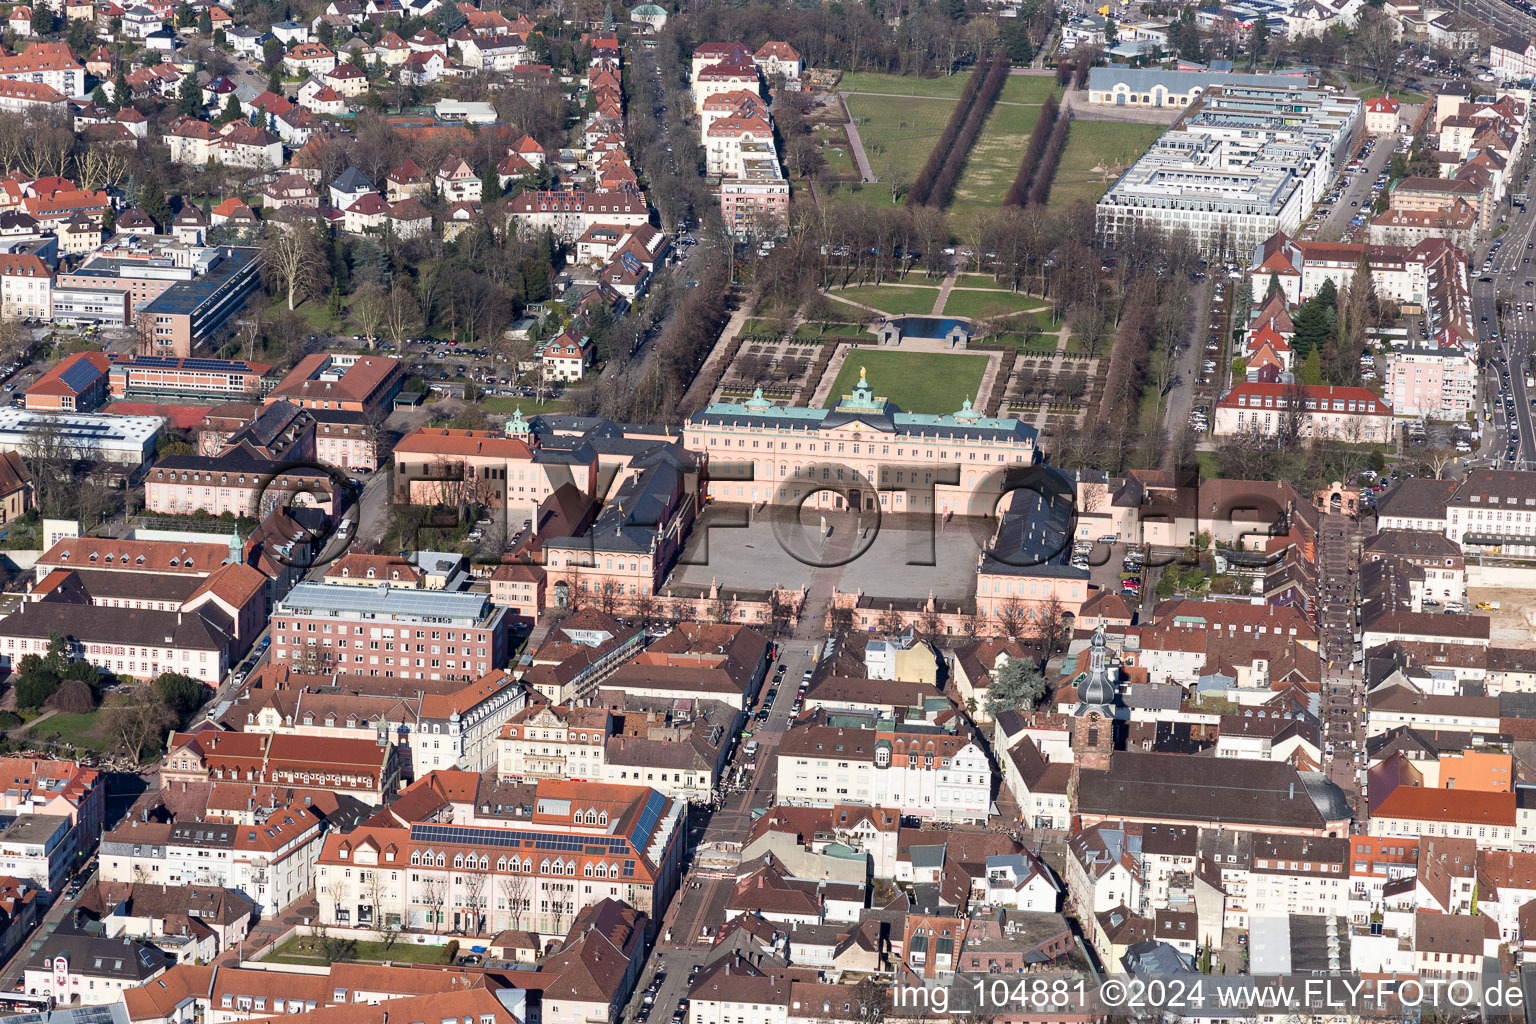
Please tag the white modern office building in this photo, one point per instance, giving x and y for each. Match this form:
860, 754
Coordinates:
1243, 162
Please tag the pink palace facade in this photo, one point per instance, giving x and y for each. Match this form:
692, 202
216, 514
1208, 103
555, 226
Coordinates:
863, 451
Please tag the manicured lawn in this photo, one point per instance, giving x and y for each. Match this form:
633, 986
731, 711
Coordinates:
1401, 95
1037, 344
1097, 153
947, 86
77, 730
894, 299
1369, 91
507, 404
989, 303
927, 382
1028, 89
305, 950
814, 331
839, 161
994, 159
897, 132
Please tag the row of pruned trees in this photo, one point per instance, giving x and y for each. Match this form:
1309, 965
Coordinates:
1018, 192
947, 158
1045, 173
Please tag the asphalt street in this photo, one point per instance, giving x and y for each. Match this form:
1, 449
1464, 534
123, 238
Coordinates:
681, 942
1500, 294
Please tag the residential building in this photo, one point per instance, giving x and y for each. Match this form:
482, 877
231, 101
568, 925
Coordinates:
464, 876
1304, 412
360, 767
849, 758
321, 627
272, 863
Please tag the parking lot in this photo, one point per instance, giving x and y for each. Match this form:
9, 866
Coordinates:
1341, 215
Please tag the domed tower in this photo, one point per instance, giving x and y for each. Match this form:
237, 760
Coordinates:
1093, 721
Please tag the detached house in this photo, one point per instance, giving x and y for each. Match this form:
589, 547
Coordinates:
457, 182
406, 180
423, 67
309, 59
347, 80
779, 58
391, 50
567, 357
319, 98
290, 190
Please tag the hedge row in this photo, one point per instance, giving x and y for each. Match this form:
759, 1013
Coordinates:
1018, 192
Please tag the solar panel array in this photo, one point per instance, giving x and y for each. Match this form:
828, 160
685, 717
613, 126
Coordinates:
561, 842
210, 365
79, 376
646, 823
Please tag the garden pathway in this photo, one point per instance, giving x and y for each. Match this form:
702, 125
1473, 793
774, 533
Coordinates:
855, 144
944, 290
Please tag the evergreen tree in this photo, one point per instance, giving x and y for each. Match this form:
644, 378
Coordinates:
1274, 284
204, 23
42, 19
153, 202
189, 97
120, 92
231, 110
99, 96
1312, 369
109, 219
275, 81
184, 16
1313, 327
1258, 41
490, 183
1017, 686
1328, 294
258, 118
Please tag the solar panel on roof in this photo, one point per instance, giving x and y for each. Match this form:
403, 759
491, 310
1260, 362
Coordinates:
557, 841
646, 823
79, 376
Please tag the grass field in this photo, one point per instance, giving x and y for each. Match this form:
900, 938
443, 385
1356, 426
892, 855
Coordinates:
304, 950
984, 304
945, 86
927, 382
976, 281
897, 132
78, 730
994, 160
894, 299
815, 331
506, 405
1369, 91
1097, 152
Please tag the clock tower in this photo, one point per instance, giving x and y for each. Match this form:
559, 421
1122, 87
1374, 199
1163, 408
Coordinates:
1093, 721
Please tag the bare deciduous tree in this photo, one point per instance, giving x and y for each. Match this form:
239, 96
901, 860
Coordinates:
370, 311
291, 260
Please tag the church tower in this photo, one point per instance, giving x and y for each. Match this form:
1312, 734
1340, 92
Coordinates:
1093, 721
